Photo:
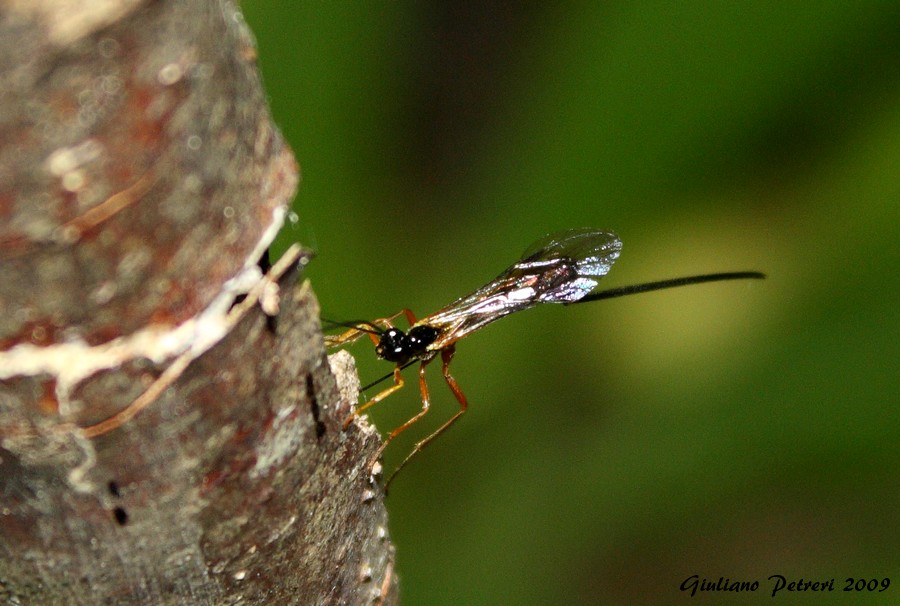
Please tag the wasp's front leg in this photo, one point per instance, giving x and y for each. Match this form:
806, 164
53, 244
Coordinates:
372, 329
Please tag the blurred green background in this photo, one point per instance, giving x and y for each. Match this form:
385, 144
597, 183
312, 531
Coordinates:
613, 450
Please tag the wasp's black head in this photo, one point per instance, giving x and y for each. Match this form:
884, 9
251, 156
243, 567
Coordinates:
393, 346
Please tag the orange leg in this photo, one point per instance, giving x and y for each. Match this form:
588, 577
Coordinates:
355, 333
398, 384
446, 357
350, 336
426, 404
386, 583
410, 316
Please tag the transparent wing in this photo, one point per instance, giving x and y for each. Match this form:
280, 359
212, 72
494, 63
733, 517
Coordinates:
560, 268
590, 251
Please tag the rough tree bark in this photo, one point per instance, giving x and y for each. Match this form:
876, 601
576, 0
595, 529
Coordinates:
170, 426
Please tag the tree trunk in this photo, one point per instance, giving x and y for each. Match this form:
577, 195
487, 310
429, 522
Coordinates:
170, 426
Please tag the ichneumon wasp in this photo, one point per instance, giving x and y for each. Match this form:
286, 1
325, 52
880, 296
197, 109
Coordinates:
561, 268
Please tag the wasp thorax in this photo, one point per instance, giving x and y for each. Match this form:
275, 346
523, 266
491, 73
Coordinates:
420, 337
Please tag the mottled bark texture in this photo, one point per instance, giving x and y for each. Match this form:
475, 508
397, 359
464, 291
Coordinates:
170, 426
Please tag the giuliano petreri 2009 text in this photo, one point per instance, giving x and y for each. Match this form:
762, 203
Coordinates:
779, 583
